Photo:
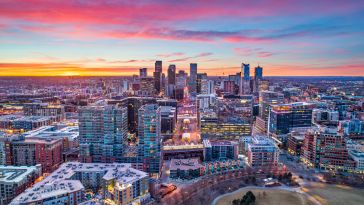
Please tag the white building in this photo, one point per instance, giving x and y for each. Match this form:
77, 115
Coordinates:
262, 152
119, 183
358, 157
206, 101
15, 179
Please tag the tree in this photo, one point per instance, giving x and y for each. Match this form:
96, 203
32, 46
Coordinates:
236, 202
248, 199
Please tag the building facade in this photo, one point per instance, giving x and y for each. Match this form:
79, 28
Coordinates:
103, 133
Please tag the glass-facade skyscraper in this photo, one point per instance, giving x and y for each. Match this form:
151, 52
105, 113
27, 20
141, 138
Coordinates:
258, 73
246, 70
103, 133
193, 78
158, 75
149, 132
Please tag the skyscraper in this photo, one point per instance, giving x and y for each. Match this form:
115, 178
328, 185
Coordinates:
149, 132
103, 132
143, 72
171, 81
146, 86
193, 78
172, 74
210, 87
258, 73
258, 76
245, 83
201, 78
158, 75
181, 83
246, 70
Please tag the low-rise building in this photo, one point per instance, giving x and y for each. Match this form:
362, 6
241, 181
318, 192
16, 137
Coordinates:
326, 149
56, 112
32, 150
186, 168
15, 179
295, 142
117, 182
220, 150
358, 157
262, 152
23, 123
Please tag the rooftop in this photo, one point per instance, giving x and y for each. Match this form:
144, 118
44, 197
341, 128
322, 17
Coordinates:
15, 174
17, 118
59, 182
71, 132
185, 164
208, 143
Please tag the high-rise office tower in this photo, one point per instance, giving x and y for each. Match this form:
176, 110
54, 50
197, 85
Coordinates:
158, 67
149, 132
172, 74
210, 87
201, 77
103, 132
181, 79
158, 76
258, 76
246, 70
245, 83
193, 78
143, 72
258, 73
171, 82
181, 83
163, 81
146, 86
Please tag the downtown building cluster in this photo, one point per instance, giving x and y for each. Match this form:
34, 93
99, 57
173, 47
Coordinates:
118, 140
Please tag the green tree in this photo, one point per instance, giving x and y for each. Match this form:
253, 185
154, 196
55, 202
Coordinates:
248, 199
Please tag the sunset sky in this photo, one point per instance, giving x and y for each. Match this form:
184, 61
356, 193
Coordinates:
60, 38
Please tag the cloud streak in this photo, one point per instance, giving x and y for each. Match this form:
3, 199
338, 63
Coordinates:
200, 55
157, 19
256, 52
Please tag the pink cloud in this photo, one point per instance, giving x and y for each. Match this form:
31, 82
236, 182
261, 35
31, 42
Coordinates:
125, 12
258, 52
200, 55
153, 19
264, 54
170, 55
246, 39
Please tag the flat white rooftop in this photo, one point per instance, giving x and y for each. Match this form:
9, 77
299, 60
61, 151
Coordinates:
15, 174
59, 182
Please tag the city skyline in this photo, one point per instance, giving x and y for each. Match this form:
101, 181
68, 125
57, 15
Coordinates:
116, 38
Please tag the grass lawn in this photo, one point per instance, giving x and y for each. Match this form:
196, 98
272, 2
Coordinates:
328, 194
273, 197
